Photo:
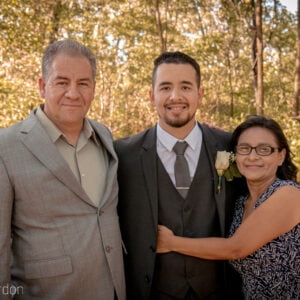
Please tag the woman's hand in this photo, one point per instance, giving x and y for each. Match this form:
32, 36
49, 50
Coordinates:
164, 239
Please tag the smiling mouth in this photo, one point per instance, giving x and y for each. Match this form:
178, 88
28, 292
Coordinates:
176, 107
253, 166
72, 105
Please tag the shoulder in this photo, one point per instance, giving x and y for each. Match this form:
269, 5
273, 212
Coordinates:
285, 195
25, 126
215, 132
11, 140
100, 128
288, 186
11, 133
288, 190
135, 141
97, 125
285, 201
280, 189
283, 185
216, 136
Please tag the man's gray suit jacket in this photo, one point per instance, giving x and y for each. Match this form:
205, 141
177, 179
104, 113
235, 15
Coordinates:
62, 245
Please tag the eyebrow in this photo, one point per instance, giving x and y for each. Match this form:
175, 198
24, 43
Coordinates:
182, 82
66, 78
60, 78
84, 79
260, 144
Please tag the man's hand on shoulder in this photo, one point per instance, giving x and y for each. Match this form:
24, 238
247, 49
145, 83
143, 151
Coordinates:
210, 125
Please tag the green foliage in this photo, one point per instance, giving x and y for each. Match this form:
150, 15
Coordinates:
232, 172
124, 36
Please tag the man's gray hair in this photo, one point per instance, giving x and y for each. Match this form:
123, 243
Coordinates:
69, 47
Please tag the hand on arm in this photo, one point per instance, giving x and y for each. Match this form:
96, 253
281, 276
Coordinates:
164, 239
210, 125
276, 216
168, 242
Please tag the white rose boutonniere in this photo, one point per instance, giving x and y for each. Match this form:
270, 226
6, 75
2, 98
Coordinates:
226, 166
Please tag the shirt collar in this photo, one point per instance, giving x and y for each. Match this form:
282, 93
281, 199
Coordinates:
194, 137
50, 127
89, 132
169, 141
55, 133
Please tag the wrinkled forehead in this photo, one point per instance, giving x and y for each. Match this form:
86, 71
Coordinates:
68, 59
66, 63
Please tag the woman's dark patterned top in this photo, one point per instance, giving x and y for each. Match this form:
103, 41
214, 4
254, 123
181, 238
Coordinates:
273, 271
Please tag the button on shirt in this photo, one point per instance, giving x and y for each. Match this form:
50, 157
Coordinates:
88, 160
165, 144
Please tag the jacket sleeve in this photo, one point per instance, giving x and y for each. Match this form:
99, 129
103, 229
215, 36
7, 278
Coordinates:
6, 204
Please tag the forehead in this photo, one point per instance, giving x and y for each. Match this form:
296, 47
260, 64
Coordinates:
174, 73
258, 135
67, 65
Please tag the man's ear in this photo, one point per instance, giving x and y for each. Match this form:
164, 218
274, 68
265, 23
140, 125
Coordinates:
200, 94
42, 87
94, 87
151, 96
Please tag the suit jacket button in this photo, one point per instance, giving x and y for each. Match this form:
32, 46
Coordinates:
186, 209
152, 248
108, 249
147, 279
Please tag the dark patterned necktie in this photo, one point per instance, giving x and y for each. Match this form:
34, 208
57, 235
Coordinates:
181, 169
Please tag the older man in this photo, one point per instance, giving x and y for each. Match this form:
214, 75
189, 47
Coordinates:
59, 231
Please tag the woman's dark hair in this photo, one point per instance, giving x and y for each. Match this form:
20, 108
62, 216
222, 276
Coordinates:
287, 170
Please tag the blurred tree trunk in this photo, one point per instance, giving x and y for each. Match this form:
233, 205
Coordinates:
230, 83
57, 9
159, 26
254, 48
259, 93
297, 71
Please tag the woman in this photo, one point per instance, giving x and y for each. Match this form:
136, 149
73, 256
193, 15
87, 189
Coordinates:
264, 239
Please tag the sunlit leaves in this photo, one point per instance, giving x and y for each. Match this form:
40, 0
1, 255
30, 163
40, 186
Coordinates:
124, 37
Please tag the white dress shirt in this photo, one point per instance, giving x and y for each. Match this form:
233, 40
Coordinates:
165, 144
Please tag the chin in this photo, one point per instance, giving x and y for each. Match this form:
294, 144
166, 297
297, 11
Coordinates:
255, 178
177, 123
72, 121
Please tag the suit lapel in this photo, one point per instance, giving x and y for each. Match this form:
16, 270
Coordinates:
149, 166
37, 141
211, 145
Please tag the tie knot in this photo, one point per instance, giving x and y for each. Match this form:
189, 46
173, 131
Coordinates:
180, 148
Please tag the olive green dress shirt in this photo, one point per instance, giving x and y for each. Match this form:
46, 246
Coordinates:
88, 160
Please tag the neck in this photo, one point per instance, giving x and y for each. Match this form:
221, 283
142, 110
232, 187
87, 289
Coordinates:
71, 133
178, 132
256, 188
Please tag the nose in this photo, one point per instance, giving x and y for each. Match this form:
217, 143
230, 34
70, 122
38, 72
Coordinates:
175, 94
72, 92
253, 154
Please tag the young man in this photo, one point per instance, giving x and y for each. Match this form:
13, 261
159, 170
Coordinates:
158, 186
58, 191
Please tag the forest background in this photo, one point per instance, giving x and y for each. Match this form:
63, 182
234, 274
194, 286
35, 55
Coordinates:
126, 36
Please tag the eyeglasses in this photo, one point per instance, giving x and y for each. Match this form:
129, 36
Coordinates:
262, 150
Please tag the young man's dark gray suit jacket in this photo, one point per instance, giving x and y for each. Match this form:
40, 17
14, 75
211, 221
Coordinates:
143, 204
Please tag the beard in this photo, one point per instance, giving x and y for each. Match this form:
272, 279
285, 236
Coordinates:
178, 122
